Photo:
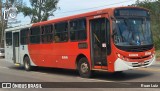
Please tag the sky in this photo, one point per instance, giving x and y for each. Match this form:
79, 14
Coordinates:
72, 7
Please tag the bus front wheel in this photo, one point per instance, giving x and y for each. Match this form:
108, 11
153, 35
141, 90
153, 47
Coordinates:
84, 68
27, 64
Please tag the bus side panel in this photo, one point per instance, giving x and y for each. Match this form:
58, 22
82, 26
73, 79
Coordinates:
46, 56
43, 55
59, 55
34, 54
9, 53
24, 51
67, 54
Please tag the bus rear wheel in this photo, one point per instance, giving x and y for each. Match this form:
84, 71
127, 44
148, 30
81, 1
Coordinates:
84, 68
27, 64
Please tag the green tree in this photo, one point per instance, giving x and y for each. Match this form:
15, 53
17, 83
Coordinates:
40, 10
154, 8
5, 4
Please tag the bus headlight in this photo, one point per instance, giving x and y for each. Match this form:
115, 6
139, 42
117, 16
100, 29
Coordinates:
120, 56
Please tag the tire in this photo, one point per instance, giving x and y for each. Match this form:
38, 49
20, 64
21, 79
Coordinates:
84, 68
27, 64
118, 72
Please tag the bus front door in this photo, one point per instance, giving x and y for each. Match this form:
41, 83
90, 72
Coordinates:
16, 47
98, 41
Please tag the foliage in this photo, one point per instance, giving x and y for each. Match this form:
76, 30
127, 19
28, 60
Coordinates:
40, 10
154, 8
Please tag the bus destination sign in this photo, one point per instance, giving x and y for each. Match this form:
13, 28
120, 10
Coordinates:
131, 12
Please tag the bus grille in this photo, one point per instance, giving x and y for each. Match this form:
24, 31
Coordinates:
136, 64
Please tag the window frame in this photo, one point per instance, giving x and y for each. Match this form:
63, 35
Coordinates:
45, 34
35, 35
10, 39
108, 34
22, 36
78, 40
67, 32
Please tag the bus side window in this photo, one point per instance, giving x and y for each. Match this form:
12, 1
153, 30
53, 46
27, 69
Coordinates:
47, 34
24, 36
61, 32
78, 29
35, 35
9, 38
57, 39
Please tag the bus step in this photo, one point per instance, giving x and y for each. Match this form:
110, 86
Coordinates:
17, 64
101, 67
104, 70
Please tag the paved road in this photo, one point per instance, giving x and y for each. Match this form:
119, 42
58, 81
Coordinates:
11, 73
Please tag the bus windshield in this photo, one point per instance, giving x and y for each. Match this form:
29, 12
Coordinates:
132, 31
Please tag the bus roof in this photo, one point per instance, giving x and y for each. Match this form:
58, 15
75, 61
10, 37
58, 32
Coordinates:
19, 27
102, 11
92, 13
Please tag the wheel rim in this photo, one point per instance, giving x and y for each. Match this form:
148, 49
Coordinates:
84, 68
27, 65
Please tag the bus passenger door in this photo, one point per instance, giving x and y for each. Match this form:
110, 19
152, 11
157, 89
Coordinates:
98, 41
16, 47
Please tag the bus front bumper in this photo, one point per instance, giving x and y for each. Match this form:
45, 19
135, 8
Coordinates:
121, 65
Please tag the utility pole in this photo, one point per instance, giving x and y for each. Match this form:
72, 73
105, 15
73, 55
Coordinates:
1, 24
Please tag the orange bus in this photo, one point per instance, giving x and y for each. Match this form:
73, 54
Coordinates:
112, 39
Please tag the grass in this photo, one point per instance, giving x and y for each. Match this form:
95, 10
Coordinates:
158, 54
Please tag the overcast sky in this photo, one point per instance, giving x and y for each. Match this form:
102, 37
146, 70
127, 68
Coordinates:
71, 7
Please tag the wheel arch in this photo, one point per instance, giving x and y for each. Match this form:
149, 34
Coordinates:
24, 57
78, 58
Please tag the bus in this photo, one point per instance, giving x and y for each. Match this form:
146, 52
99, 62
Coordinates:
112, 40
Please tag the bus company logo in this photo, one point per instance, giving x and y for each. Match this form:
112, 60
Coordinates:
6, 85
10, 13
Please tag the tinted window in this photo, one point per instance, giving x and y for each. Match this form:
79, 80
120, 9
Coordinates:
78, 30
108, 37
24, 36
1, 50
8, 38
47, 34
16, 39
35, 35
61, 32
